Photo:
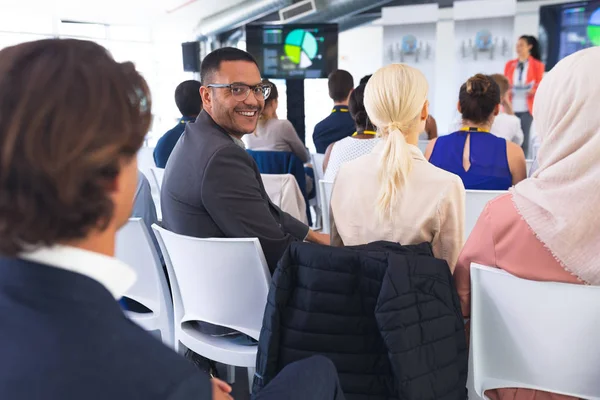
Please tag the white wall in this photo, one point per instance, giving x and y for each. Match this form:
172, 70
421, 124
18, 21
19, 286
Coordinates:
361, 52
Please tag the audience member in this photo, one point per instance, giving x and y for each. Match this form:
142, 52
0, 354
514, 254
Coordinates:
431, 131
339, 123
68, 182
187, 98
524, 75
274, 134
360, 143
483, 161
212, 186
393, 193
506, 124
536, 232
68, 179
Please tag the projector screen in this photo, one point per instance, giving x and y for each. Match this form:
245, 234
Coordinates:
567, 28
294, 51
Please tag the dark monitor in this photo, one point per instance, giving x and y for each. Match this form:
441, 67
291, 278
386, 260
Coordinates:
294, 51
567, 28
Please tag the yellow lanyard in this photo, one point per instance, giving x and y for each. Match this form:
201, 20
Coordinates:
364, 133
341, 110
472, 129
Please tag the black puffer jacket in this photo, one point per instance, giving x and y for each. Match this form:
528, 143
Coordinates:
387, 315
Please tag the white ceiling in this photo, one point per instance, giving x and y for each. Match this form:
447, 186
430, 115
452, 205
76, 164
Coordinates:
130, 12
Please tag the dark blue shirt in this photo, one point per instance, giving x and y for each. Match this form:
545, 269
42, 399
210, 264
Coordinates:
167, 142
63, 336
338, 125
488, 156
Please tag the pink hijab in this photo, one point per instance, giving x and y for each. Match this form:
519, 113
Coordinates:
561, 201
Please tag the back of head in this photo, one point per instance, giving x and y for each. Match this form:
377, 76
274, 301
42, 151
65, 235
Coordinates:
357, 109
365, 79
340, 84
212, 62
502, 83
187, 98
395, 98
478, 98
71, 118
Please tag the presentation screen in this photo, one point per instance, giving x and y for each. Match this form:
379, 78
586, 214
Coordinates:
567, 28
294, 51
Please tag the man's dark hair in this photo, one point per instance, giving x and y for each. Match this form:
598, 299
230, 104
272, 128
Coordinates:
70, 116
187, 98
340, 84
212, 62
478, 98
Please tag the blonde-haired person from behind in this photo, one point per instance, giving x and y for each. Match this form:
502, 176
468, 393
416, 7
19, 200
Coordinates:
393, 193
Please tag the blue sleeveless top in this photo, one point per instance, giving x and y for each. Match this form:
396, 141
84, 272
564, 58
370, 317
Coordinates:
489, 161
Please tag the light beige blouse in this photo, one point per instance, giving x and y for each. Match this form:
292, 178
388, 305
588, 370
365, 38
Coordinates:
430, 207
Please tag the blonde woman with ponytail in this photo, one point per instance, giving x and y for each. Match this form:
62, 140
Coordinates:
393, 193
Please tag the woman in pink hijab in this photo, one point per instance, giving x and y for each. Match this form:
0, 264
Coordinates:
548, 227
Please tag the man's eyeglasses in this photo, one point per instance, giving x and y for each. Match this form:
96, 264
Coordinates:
241, 91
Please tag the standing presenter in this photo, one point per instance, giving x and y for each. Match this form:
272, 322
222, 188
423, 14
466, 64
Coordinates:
524, 75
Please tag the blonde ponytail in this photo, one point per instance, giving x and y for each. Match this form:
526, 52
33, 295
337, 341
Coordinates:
394, 166
394, 100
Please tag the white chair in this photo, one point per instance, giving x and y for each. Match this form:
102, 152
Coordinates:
474, 205
534, 335
423, 145
284, 192
134, 247
317, 163
326, 188
223, 282
158, 175
156, 179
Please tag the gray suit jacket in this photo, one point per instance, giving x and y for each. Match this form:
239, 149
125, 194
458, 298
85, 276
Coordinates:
213, 188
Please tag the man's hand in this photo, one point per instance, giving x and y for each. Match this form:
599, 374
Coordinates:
318, 238
220, 390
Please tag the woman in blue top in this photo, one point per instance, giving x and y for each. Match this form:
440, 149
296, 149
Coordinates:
483, 161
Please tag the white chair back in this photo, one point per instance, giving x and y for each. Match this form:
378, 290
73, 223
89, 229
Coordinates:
145, 159
223, 282
423, 145
284, 192
158, 175
326, 188
475, 203
134, 247
317, 161
534, 335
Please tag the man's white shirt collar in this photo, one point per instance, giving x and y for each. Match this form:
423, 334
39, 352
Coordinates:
116, 276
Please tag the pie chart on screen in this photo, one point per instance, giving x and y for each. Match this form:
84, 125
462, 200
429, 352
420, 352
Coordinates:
593, 29
301, 47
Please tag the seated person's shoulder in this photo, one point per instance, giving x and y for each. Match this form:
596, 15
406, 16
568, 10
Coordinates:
321, 124
514, 151
436, 176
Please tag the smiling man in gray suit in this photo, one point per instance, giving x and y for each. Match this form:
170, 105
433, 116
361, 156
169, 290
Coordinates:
212, 187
